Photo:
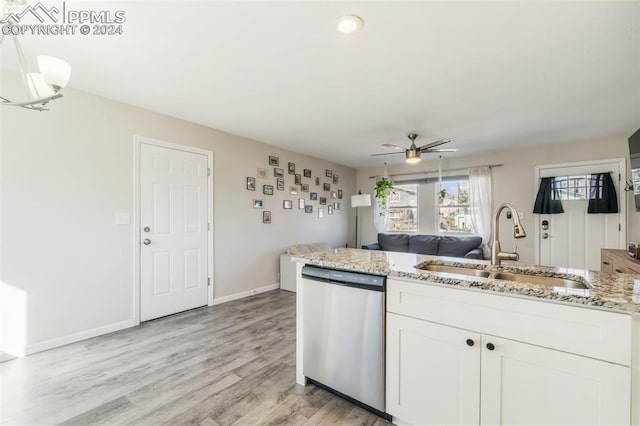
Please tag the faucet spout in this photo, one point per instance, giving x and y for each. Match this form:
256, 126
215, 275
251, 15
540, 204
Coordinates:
518, 232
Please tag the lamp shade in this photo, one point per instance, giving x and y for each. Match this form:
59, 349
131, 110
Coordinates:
55, 71
360, 200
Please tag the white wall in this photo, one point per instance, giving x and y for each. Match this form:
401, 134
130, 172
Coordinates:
66, 172
513, 182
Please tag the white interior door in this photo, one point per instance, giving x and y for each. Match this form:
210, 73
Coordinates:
573, 239
173, 231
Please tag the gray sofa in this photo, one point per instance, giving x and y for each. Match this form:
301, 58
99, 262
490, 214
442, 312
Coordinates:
436, 245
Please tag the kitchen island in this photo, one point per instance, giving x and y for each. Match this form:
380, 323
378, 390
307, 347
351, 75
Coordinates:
465, 348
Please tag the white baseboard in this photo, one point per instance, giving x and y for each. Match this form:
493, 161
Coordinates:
231, 297
76, 337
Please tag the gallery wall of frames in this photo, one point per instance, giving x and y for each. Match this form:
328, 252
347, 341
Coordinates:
282, 188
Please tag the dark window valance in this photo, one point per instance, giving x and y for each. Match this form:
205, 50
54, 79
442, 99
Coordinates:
548, 199
602, 195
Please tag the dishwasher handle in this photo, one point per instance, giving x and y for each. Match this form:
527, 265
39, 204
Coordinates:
345, 278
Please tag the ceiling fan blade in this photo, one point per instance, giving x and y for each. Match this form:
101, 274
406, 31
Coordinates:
386, 153
434, 144
426, 151
390, 145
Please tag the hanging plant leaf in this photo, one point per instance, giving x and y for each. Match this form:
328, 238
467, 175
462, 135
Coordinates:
383, 188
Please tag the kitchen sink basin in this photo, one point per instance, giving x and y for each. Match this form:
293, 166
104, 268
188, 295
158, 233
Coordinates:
507, 276
455, 270
535, 279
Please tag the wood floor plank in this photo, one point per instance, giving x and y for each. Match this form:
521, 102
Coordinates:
229, 364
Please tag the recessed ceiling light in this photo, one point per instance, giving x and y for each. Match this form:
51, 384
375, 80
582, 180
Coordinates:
349, 24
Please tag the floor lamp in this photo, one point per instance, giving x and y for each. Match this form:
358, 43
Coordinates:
360, 200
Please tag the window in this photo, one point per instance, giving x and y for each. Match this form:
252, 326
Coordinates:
573, 187
402, 209
453, 206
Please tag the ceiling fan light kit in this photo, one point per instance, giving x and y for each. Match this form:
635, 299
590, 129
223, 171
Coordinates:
43, 87
413, 153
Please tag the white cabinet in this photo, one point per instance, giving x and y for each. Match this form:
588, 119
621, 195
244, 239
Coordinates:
433, 374
527, 384
439, 372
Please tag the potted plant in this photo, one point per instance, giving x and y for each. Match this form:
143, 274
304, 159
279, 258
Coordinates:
382, 190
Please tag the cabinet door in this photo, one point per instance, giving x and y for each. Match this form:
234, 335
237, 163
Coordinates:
525, 384
433, 374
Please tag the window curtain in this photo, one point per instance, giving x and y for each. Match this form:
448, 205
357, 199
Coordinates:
548, 199
602, 196
480, 203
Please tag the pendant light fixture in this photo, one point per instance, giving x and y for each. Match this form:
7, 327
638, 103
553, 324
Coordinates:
43, 87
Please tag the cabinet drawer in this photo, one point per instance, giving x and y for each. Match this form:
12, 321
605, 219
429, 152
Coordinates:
589, 332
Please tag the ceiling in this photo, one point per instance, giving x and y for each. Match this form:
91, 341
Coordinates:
483, 74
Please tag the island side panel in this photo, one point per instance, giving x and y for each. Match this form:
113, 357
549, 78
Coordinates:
635, 370
300, 378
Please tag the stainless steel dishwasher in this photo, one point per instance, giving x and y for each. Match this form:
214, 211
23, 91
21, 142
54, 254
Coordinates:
344, 326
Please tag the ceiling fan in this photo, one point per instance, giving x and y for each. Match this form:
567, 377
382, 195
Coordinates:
412, 154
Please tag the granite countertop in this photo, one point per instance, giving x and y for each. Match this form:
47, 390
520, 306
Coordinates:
609, 291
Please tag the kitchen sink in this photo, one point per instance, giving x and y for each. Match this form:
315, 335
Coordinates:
507, 276
535, 279
455, 270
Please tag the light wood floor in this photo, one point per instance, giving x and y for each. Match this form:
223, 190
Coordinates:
231, 364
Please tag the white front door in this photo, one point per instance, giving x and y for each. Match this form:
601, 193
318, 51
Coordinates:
573, 239
173, 231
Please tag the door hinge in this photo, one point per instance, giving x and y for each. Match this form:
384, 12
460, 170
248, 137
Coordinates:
208, 226
208, 171
619, 177
619, 227
208, 282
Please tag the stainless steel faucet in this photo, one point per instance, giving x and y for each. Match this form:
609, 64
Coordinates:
518, 232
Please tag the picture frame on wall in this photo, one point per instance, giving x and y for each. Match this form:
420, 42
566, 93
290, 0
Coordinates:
329, 209
317, 181
334, 194
292, 168
301, 203
298, 179
308, 209
262, 173
266, 216
313, 196
287, 204
335, 178
328, 173
267, 189
326, 186
340, 194
258, 203
278, 172
307, 173
274, 161
251, 183
320, 213
336, 206
323, 201
280, 184
293, 190
304, 187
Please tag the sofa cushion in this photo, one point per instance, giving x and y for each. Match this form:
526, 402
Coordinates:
423, 244
394, 242
457, 246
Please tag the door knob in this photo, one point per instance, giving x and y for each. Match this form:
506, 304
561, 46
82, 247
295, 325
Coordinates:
146, 241
545, 235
